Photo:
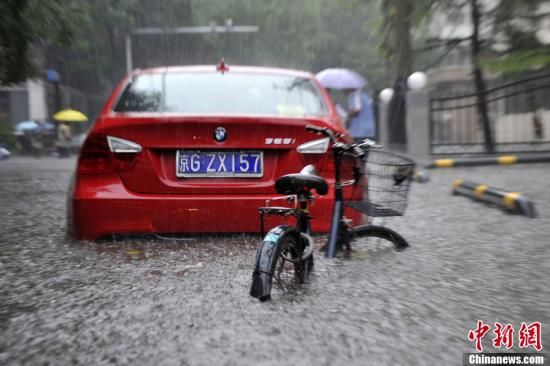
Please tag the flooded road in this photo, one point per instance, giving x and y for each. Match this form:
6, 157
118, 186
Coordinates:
185, 302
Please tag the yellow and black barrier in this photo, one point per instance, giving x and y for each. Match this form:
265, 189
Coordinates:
510, 201
494, 160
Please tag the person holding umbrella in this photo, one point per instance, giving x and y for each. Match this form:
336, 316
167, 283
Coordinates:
359, 120
64, 131
63, 139
29, 137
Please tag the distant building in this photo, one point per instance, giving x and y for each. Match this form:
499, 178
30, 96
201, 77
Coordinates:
24, 101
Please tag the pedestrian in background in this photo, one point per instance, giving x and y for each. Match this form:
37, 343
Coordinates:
63, 139
337, 100
360, 121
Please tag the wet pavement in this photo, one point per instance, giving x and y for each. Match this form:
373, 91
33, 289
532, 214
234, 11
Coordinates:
185, 302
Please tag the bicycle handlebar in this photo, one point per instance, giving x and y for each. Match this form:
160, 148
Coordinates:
370, 144
357, 148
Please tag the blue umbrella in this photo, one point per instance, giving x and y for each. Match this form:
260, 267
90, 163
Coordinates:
45, 126
341, 79
26, 126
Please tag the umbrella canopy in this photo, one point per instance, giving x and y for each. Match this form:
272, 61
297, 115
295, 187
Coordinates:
341, 79
26, 126
70, 115
4, 153
47, 126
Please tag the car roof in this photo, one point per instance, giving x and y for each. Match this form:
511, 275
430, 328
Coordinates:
212, 69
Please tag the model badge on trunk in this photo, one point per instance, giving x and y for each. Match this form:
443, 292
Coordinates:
220, 134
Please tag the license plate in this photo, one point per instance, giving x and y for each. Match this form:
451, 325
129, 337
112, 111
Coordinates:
243, 164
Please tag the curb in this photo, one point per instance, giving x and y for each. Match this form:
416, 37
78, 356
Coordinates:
510, 201
498, 160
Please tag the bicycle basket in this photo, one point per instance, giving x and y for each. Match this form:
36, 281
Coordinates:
389, 177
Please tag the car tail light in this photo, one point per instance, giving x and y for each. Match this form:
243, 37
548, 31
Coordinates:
319, 146
125, 153
102, 154
315, 152
118, 145
95, 156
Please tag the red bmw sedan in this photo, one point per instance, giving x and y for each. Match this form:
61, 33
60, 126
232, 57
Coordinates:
197, 149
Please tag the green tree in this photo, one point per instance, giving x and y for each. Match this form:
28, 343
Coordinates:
95, 58
24, 23
517, 23
309, 34
509, 38
509, 43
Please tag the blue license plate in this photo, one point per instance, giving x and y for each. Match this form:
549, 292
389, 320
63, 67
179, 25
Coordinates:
195, 163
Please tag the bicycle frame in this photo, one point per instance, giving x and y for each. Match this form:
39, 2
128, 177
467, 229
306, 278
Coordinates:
302, 217
299, 211
338, 208
298, 237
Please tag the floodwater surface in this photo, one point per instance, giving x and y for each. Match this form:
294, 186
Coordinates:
186, 302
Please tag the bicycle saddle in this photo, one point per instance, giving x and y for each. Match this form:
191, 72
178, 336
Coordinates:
306, 180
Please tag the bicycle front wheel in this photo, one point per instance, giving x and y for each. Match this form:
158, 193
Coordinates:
376, 237
279, 262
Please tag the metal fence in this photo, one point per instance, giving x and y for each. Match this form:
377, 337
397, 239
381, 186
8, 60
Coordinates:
519, 114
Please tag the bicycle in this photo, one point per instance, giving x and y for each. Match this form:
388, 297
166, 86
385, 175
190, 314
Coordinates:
286, 252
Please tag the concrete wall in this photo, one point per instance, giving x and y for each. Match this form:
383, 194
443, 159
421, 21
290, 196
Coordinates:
519, 127
37, 100
19, 106
417, 124
25, 101
383, 133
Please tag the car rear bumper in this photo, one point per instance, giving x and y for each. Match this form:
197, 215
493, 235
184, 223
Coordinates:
102, 206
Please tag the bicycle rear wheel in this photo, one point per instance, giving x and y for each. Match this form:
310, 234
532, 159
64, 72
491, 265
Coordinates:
380, 237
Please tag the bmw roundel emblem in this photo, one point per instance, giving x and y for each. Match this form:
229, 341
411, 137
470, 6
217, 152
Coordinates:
220, 134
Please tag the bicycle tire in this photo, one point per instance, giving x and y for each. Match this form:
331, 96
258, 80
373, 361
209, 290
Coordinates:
281, 246
374, 231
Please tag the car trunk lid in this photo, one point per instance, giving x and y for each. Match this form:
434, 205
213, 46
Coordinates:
162, 136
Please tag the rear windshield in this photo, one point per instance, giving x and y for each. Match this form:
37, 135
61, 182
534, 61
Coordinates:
229, 93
